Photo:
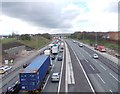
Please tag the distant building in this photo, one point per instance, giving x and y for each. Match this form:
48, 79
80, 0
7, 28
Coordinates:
113, 35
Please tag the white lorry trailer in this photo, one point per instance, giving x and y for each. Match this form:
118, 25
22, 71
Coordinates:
55, 50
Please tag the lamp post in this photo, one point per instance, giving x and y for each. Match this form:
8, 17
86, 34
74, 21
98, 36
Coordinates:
96, 38
83, 36
36, 41
1, 45
1, 51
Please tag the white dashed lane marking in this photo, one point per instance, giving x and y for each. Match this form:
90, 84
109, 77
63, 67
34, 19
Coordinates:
92, 67
102, 67
114, 77
101, 78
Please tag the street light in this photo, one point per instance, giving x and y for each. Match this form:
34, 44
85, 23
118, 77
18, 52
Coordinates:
83, 35
37, 46
96, 37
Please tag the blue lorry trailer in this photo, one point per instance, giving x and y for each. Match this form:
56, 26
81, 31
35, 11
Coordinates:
33, 75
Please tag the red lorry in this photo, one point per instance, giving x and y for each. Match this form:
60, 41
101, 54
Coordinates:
100, 48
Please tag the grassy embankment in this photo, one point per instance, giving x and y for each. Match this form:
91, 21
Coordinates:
106, 43
7, 40
34, 42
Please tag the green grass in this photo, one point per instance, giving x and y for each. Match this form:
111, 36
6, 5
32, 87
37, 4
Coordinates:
36, 42
112, 46
105, 43
7, 40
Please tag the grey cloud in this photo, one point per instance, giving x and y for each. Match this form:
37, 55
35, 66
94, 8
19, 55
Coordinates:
44, 14
71, 15
113, 7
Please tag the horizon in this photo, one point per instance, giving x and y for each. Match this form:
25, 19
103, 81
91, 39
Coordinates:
35, 16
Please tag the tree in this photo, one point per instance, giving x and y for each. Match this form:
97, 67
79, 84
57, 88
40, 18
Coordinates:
46, 35
25, 37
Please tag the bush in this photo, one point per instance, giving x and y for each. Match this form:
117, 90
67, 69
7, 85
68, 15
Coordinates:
25, 37
46, 35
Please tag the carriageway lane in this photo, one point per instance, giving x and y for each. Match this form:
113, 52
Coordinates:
81, 83
53, 86
113, 66
101, 76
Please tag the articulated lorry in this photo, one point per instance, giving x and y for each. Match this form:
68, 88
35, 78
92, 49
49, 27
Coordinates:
32, 78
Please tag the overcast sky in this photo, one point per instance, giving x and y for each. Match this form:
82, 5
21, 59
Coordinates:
58, 16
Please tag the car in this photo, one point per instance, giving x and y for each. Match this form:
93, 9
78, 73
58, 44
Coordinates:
80, 44
14, 89
95, 56
55, 77
5, 68
74, 41
9, 67
25, 65
59, 58
2, 71
61, 50
53, 57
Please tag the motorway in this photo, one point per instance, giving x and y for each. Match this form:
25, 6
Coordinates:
12, 76
72, 77
103, 77
75, 79
53, 86
80, 72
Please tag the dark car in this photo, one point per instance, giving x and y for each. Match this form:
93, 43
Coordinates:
59, 58
14, 89
25, 65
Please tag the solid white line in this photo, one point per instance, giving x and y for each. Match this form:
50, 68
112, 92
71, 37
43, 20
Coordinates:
71, 74
114, 77
70, 68
46, 82
92, 67
68, 79
66, 73
101, 78
102, 67
48, 78
61, 74
111, 91
84, 73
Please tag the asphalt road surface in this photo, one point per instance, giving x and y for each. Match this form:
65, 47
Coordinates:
13, 75
104, 77
89, 74
53, 86
82, 84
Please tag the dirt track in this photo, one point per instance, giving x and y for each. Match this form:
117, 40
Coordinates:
11, 45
